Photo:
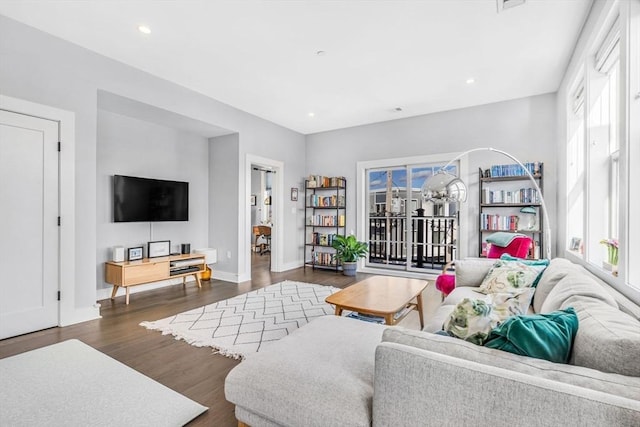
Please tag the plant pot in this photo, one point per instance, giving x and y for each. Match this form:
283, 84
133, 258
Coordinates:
349, 268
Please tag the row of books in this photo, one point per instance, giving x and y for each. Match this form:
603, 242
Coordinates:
324, 258
523, 195
515, 169
326, 201
322, 239
327, 220
319, 181
499, 222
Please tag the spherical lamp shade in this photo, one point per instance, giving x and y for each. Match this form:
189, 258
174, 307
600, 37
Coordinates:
443, 187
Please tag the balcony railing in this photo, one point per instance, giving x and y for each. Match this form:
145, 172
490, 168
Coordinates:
433, 241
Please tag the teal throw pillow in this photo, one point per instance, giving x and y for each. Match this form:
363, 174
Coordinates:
543, 336
544, 263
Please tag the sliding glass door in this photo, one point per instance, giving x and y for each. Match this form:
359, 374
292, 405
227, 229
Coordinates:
404, 232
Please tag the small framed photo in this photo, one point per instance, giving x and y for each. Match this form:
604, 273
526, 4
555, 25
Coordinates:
253, 200
294, 194
575, 244
159, 248
134, 254
267, 200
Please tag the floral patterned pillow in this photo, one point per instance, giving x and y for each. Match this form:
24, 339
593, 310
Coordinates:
473, 319
509, 276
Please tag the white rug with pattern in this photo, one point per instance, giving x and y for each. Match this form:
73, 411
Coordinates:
247, 323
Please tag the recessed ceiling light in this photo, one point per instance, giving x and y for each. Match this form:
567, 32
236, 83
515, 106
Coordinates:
144, 29
471, 81
321, 53
312, 114
397, 109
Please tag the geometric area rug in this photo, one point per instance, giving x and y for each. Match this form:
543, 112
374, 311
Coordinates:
73, 384
249, 322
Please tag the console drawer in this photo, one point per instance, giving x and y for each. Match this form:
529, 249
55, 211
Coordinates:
146, 272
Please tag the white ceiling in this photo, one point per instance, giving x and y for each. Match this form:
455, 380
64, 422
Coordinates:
260, 56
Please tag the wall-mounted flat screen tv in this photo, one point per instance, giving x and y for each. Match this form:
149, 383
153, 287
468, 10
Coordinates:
142, 199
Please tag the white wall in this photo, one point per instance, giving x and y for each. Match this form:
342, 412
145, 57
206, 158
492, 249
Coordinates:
167, 153
523, 127
40, 68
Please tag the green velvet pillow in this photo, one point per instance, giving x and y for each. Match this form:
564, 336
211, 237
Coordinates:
534, 262
543, 336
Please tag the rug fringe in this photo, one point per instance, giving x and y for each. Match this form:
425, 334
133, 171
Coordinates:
193, 341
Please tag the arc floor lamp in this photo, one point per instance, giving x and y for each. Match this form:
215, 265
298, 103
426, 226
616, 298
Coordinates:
444, 187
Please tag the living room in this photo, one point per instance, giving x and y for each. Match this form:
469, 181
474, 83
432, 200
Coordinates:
132, 122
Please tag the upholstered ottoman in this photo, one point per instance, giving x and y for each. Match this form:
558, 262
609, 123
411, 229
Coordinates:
320, 375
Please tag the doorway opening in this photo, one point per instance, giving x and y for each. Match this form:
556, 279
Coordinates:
264, 204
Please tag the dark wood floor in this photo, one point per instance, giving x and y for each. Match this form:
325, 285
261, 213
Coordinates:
194, 372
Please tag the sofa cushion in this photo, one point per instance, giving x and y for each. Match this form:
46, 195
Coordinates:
459, 294
471, 271
618, 385
607, 340
558, 268
319, 375
576, 283
543, 336
507, 276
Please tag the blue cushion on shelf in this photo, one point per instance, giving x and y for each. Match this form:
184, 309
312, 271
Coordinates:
543, 336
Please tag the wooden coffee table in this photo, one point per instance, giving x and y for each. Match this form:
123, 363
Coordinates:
383, 296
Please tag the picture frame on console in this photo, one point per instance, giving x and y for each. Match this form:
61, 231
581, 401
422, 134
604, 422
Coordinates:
159, 248
134, 254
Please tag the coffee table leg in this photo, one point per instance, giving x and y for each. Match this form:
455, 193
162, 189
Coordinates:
420, 313
338, 310
388, 319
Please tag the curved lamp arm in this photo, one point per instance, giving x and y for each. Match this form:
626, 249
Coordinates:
543, 205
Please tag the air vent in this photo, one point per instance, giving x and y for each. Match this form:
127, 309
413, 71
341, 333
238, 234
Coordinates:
508, 4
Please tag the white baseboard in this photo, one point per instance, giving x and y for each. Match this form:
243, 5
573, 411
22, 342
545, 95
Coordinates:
105, 293
291, 266
79, 315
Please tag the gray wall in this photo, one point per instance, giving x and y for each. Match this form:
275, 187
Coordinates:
523, 127
40, 68
167, 153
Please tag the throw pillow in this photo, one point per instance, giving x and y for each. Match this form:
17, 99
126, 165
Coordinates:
507, 276
543, 336
535, 262
473, 319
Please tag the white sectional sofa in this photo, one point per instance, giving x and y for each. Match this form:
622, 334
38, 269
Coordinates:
344, 372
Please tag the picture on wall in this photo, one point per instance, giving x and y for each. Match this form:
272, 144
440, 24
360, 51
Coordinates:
294, 194
253, 200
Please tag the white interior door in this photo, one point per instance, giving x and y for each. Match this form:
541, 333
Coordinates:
28, 224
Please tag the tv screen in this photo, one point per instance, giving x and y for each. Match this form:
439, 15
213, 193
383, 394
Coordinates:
141, 199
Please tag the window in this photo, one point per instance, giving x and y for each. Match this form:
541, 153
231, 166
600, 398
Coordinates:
575, 170
603, 129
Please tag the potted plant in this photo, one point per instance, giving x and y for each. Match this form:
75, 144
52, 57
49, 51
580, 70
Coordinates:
348, 251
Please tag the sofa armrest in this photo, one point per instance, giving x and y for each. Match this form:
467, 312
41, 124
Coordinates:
415, 387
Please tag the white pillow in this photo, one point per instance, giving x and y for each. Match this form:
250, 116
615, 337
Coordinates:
509, 276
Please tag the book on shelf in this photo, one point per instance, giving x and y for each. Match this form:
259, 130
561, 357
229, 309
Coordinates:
499, 171
521, 196
320, 181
